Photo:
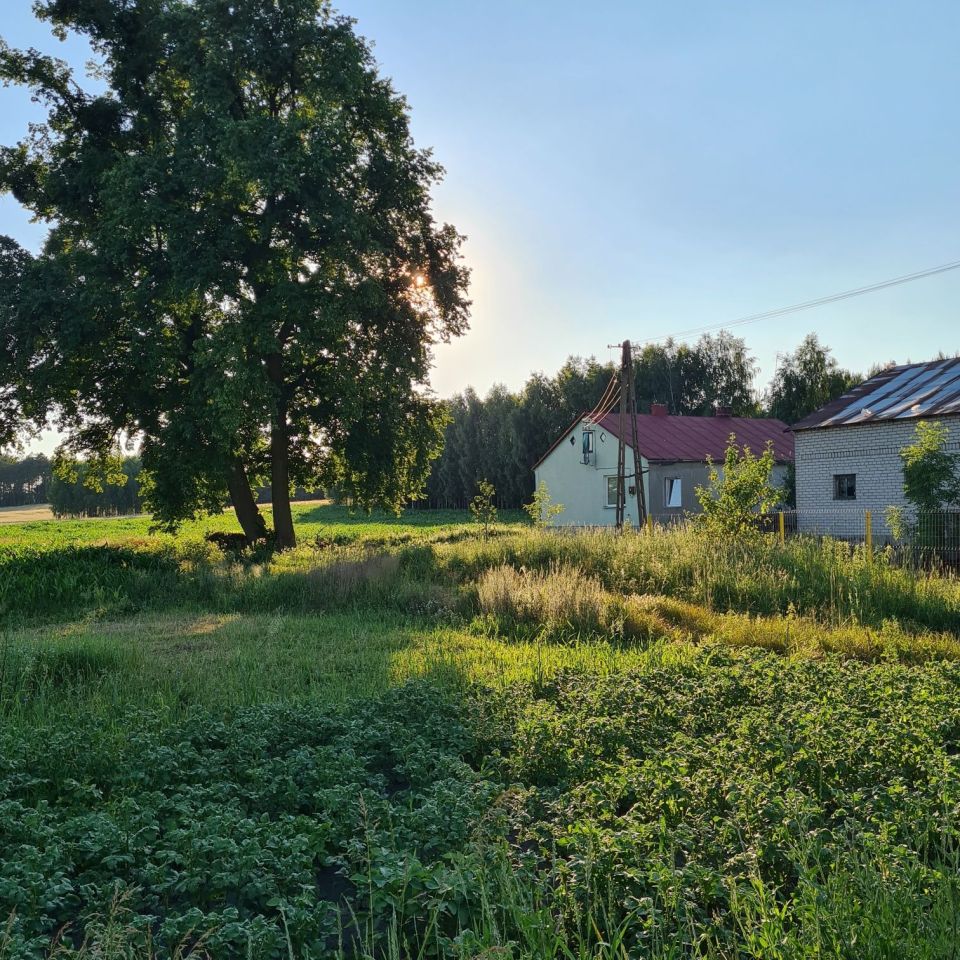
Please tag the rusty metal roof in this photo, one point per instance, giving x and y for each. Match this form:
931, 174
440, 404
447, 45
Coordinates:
692, 439
906, 392
668, 439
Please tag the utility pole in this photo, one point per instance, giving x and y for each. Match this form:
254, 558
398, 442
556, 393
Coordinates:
628, 410
626, 366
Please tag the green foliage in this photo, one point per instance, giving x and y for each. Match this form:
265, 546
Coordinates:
482, 507
806, 380
79, 490
931, 475
541, 509
739, 493
242, 268
25, 481
196, 772
799, 801
562, 604
51, 572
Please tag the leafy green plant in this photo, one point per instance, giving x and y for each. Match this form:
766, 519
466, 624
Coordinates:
738, 493
931, 475
931, 486
541, 509
482, 507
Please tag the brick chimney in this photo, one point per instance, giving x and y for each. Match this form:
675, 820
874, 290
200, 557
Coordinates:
722, 412
659, 410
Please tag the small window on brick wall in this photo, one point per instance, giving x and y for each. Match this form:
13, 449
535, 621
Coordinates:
844, 486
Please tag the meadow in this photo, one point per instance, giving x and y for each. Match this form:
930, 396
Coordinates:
405, 739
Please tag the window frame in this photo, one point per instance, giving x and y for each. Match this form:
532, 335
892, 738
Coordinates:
841, 487
608, 504
667, 489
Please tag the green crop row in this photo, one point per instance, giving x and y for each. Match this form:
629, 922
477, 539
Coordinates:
737, 805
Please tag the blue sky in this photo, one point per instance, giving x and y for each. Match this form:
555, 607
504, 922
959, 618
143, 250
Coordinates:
628, 169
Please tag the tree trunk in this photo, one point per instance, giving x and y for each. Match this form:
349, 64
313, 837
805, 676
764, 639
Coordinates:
283, 530
245, 504
280, 483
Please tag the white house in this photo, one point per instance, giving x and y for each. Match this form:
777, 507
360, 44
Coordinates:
580, 469
848, 452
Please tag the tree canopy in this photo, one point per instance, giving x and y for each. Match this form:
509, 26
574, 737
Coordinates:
242, 267
806, 380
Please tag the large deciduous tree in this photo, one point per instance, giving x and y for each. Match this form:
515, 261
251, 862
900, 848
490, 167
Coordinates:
242, 267
806, 380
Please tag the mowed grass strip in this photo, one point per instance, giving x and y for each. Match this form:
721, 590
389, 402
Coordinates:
176, 663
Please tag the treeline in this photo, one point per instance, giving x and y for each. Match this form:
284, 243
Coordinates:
75, 497
499, 437
26, 482
32, 480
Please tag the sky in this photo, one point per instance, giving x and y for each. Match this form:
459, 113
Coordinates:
633, 169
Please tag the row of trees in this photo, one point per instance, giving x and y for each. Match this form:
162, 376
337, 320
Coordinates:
501, 436
76, 490
24, 482
72, 488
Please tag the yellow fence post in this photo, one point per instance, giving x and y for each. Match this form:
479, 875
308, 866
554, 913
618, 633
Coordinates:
649, 523
868, 531
783, 529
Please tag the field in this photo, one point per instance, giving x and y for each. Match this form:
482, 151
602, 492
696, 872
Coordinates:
404, 739
40, 511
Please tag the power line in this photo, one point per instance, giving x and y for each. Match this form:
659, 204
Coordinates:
807, 304
604, 397
606, 401
598, 414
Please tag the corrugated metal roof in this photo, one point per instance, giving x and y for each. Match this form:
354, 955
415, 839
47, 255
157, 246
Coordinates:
906, 392
696, 438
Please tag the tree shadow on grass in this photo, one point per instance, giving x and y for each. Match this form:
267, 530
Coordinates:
331, 513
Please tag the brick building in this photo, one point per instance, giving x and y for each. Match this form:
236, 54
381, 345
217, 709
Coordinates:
848, 453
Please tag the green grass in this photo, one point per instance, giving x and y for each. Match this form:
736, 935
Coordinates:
313, 519
404, 740
173, 664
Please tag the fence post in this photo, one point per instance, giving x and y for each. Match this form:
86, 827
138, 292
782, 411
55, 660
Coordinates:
783, 529
649, 523
868, 531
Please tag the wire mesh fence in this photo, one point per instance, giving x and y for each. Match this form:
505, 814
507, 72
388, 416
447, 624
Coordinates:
910, 536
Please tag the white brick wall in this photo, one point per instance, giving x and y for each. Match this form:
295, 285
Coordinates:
872, 452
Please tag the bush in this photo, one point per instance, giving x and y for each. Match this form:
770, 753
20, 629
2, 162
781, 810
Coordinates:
738, 495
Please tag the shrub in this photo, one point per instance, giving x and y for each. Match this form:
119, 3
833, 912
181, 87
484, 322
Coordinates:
541, 509
738, 495
482, 507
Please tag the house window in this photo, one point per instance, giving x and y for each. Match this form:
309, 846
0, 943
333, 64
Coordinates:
587, 445
844, 486
673, 492
612, 491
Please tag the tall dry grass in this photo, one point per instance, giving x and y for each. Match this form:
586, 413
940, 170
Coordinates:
564, 603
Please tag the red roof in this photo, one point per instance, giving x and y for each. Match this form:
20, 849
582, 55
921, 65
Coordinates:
667, 438
696, 438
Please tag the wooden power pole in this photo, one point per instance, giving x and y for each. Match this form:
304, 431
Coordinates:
628, 412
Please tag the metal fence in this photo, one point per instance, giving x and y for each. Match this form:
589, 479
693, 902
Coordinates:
911, 536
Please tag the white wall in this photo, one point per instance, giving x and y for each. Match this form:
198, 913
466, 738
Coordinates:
872, 452
582, 488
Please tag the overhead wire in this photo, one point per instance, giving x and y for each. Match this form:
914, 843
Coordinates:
604, 397
598, 413
806, 304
